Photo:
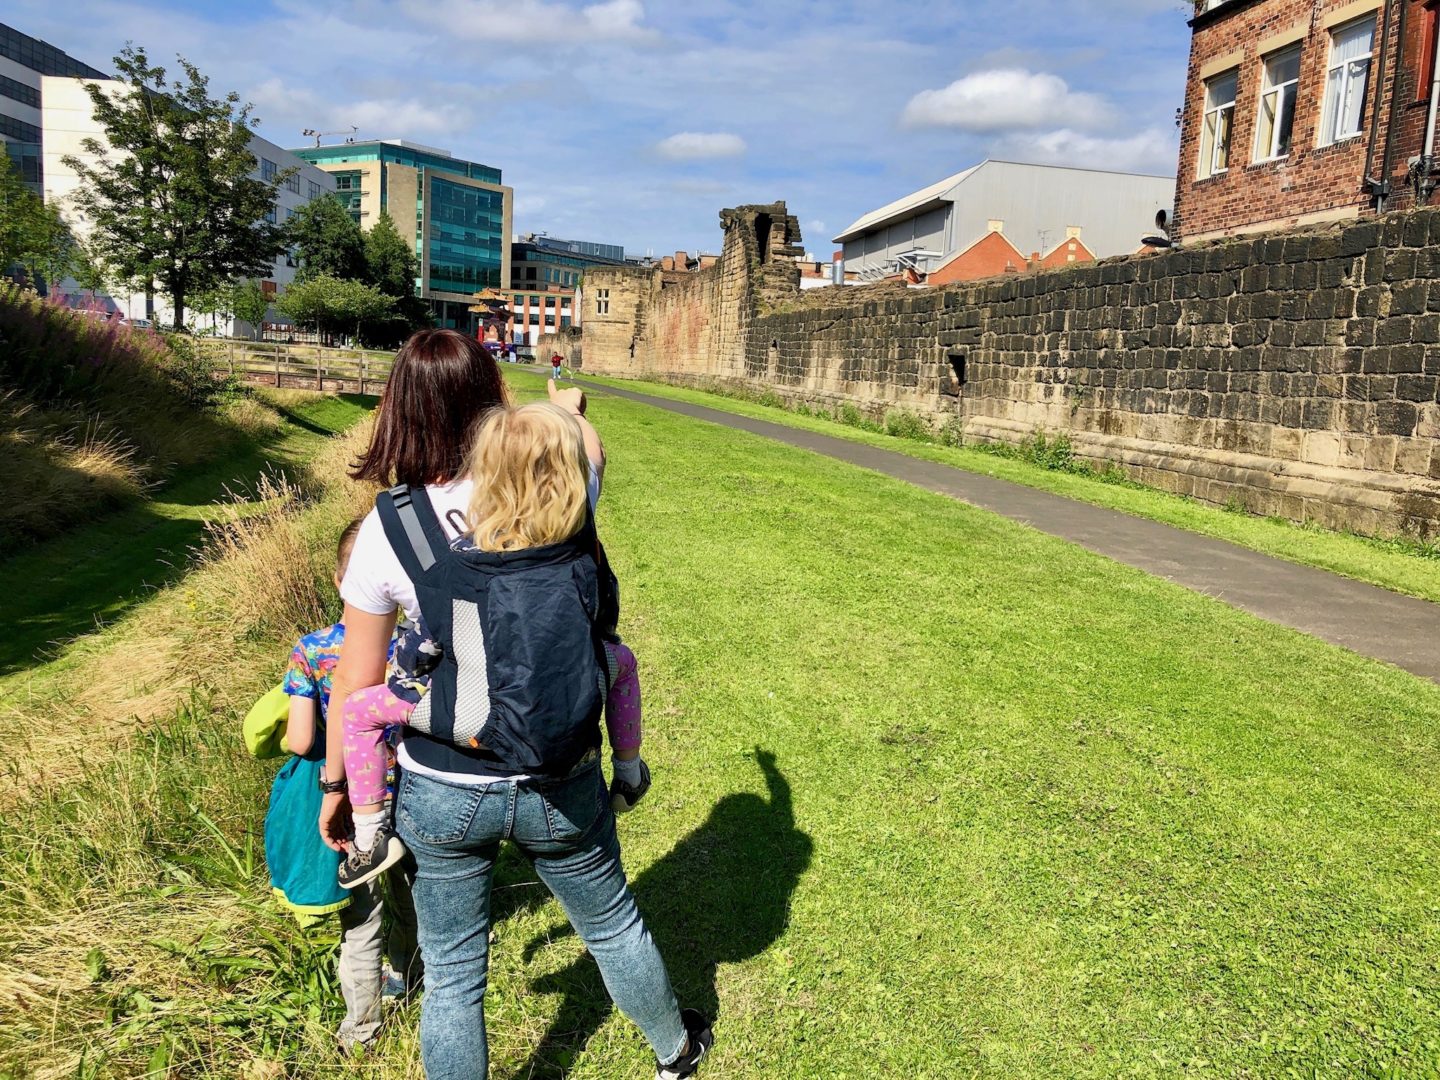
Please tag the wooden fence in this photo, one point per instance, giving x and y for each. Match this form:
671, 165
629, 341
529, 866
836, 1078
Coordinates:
311, 367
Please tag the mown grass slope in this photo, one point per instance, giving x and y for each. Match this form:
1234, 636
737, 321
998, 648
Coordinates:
934, 793
104, 566
1401, 563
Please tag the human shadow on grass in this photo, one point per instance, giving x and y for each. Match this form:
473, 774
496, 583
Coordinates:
720, 896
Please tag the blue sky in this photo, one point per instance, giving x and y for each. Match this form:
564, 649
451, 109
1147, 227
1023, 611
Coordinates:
635, 121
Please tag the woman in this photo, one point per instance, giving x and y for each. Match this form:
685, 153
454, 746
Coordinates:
455, 806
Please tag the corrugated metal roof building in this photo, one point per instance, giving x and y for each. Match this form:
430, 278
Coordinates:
1036, 207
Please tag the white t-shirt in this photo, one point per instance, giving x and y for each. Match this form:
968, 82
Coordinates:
376, 582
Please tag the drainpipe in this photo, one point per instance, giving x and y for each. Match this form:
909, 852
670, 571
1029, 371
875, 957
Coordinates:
1378, 188
1427, 162
1383, 195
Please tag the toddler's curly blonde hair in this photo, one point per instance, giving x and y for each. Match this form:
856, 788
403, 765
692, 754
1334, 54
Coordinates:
531, 477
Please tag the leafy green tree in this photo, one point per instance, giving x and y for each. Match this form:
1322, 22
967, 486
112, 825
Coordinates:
327, 240
334, 305
213, 301
89, 270
170, 190
390, 261
394, 270
33, 236
249, 302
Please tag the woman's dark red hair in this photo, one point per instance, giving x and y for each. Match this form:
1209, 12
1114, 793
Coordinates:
440, 386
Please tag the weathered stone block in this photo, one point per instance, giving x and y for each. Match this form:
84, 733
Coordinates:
1413, 455
1323, 448
1396, 418
1409, 297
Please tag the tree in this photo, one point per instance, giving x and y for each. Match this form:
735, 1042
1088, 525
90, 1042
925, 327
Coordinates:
250, 303
169, 191
393, 269
390, 261
33, 235
89, 270
327, 240
213, 301
334, 305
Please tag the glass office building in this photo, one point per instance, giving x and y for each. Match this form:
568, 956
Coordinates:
459, 211
24, 61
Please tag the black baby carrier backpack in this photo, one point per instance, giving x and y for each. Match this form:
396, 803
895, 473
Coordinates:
520, 685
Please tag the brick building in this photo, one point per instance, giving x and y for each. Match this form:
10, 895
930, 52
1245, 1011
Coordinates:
1300, 111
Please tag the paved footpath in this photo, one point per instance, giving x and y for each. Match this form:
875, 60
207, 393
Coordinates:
1374, 622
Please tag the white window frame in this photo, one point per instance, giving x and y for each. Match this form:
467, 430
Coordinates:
1216, 113
602, 301
1278, 93
1342, 75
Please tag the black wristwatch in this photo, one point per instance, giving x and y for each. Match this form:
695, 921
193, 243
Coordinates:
333, 787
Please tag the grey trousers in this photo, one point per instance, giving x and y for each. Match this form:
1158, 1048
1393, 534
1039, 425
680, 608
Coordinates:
364, 944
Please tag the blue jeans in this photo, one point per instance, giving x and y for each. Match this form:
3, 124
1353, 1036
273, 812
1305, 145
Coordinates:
567, 830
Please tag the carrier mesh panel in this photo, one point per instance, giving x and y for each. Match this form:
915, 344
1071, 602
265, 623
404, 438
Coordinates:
420, 715
472, 681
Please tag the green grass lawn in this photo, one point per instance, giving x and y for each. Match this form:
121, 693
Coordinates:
1400, 565
935, 795
93, 574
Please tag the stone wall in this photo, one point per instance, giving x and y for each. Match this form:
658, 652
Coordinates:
1294, 373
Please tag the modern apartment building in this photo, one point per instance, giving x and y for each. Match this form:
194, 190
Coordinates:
983, 220
68, 119
545, 280
24, 61
1300, 111
458, 212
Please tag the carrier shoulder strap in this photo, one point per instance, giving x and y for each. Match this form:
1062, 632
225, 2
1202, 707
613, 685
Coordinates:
412, 528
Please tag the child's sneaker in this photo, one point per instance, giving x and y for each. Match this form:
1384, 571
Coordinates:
392, 983
701, 1039
363, 865
623, 796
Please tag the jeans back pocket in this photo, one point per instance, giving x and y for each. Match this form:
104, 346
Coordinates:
572, 808
436, 813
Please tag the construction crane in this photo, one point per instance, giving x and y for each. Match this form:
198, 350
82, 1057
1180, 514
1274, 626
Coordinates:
311, 133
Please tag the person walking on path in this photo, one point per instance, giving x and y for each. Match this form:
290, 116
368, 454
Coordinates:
556, 363
456, 803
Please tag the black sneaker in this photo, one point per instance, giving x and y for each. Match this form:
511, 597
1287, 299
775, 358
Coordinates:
362, 866
701, 1039
623, 796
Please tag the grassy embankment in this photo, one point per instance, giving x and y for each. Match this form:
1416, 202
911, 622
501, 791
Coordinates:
94, 416
1401, 564
1039, 815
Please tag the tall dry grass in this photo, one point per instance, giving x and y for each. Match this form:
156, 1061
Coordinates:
93, 413
56, 463
132, 918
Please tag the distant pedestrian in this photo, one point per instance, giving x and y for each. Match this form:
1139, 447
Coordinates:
556, 360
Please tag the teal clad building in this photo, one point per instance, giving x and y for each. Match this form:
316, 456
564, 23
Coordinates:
460, 213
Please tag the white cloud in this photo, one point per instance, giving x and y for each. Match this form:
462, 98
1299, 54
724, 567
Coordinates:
692, 145
1152, 150
439, 113
1007, 99
695, 186
537, 22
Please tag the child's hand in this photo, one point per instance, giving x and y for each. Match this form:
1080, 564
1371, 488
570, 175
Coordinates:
571, 398
335, 821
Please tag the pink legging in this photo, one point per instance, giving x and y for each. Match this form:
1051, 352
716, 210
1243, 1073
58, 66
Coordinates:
369, 712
